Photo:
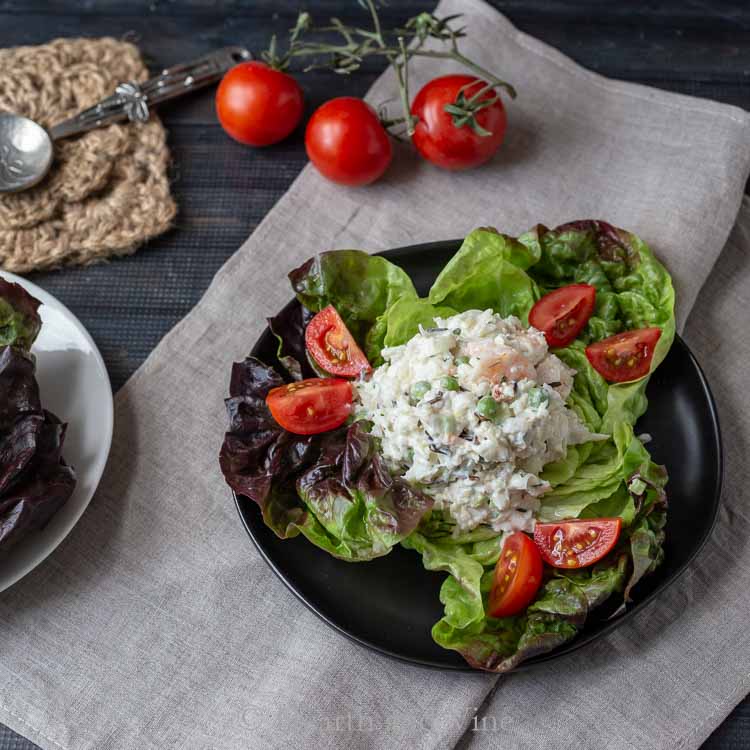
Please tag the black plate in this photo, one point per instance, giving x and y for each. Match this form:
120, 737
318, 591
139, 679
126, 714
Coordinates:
390, 604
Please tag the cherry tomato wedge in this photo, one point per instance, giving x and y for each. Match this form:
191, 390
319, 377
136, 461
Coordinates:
518, 576
562, 314
307, 407
576, 544
332, 346
624, 356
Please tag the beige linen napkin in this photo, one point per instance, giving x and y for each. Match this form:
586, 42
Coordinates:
156, 625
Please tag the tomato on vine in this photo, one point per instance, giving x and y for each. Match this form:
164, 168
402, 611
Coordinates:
455, 121
460, 121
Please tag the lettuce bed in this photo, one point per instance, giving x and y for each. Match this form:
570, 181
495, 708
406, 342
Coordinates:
35, 481
335, 489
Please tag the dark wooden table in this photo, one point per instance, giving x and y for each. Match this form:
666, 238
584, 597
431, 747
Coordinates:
224, 190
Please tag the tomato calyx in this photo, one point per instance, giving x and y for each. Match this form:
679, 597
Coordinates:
464, 109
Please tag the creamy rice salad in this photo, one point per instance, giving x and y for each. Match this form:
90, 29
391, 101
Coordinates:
471, 410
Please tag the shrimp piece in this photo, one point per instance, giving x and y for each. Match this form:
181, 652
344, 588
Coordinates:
497, 364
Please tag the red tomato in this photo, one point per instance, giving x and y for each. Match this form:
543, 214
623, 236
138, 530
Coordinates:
562, 314
307, 407
576, 544
332, 346
518, 576
258, 105
346, 142
436, 136
624, 356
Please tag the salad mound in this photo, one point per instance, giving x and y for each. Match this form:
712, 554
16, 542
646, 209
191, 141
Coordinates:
502, 403
471, 410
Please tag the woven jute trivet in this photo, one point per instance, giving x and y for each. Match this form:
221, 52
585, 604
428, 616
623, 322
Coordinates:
108, 190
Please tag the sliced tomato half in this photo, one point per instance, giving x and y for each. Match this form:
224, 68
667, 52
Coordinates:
518, 576
333, 347
562, 314
307, 407
577, 543
624, 356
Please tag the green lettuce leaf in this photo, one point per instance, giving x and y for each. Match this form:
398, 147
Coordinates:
464, 557
488, 272
557, 615
19, 320
615, 477
647, 534
362, 509
360, 286
355, 510
400, 323
334, 487
599, 481
633, 288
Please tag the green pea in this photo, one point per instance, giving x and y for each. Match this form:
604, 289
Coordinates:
462, 360
486, 407
449, 383
419, 389
538, 398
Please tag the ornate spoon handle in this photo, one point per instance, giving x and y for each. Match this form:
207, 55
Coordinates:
131, 100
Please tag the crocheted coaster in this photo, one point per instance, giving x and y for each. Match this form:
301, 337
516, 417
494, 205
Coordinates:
108, 189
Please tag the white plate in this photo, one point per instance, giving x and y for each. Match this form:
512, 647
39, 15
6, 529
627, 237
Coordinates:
74, 385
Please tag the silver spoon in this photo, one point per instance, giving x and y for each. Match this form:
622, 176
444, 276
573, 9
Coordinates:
26, 150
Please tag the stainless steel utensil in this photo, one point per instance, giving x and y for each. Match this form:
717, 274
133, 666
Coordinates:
26, 150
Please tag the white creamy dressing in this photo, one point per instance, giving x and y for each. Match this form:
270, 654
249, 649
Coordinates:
471, 411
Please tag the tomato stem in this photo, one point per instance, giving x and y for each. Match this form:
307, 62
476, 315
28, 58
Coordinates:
398, 46
402, 74
271, 57
471, 65
375, 21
